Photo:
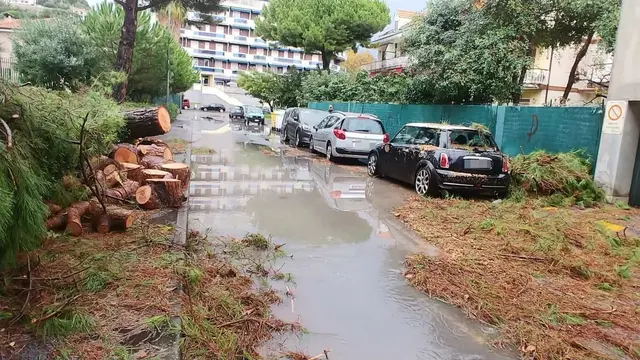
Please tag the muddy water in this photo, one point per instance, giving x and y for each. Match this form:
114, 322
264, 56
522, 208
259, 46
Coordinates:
347, 250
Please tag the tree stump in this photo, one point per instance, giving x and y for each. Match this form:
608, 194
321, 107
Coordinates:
75, 213
148, 174
125, 153
147, 122
156, 150
160, 193
153, 162
133, 171
180, 171
119, 194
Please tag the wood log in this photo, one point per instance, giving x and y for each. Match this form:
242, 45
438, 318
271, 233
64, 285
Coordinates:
58, 221
153, 162
156, 150
101, 181
101, 162
180, 171
147, 122
153, 174
124, 192
150, 141
116, 218
75, 213
53, 208
133, 171
113, 179
159, 193
125, 153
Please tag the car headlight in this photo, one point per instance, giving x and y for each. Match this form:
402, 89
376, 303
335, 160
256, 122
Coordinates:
306, 127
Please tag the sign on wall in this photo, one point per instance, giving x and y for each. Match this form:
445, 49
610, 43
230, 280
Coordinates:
614, 116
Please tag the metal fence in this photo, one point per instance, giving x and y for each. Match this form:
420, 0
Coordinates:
7, 70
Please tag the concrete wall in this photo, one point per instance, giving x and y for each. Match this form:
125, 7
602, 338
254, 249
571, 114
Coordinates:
515, 128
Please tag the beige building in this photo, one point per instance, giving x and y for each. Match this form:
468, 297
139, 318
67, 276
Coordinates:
7, 27
545, 82
389, 45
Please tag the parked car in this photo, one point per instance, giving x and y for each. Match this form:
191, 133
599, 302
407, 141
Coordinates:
298, 123
436, 157
347, 135
236, 113
253, 113
214, 107
186, 104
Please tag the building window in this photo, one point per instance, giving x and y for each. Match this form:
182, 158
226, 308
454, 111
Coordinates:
308, 56
201, 44
244, 32
244, 16
280, 53
205, 80
253, 51
290, 55
242, 66
226, 65
227, 30
280, 70
243, 49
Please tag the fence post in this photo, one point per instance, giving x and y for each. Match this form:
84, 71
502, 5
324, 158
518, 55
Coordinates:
500, 114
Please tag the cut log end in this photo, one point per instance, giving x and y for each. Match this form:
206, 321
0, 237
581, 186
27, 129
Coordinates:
125, 153
164, 119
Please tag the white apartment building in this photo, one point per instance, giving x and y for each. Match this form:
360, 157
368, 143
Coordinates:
221, 51
21, 2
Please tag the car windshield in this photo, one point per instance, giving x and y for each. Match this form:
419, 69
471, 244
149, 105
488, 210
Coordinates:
363, 125
469, 139
312, 117
236, 108
253, 109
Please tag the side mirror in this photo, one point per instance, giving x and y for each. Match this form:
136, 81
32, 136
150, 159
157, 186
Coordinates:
315, 127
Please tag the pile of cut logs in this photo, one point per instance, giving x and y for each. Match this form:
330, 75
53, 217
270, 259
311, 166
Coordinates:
135, 176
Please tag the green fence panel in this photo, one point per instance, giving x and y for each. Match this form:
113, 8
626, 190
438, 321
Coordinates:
553, 129
516, 128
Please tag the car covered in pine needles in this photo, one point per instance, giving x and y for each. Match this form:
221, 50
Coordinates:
435, 157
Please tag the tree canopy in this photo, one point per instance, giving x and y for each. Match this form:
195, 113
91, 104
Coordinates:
355, 60
460, 56
275, 90
324, 26
55, 54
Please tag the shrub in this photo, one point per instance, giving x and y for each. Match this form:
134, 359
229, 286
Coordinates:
173, 110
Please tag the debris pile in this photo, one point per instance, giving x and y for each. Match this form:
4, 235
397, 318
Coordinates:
565, 174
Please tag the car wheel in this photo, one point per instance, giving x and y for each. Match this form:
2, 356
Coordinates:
330, 153
283, 136
368, 192
297, 143
185, 107
221, 110
311, 149
204, 109
372, 165
503, 194
422, 182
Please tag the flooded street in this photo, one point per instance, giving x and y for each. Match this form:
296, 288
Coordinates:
346, 249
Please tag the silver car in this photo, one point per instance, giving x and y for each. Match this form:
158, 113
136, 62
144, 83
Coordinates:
347, 135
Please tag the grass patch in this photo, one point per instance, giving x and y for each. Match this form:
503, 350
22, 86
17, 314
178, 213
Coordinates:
69, 322
202, 150
111, 282
177, 145
545, 276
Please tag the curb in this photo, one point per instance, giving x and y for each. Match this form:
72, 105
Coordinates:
174, 337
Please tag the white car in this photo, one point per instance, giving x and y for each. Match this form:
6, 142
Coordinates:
347, 135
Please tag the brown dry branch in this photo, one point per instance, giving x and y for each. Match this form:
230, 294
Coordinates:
517, 269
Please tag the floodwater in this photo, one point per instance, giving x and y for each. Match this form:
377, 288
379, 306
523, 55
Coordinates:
347, 249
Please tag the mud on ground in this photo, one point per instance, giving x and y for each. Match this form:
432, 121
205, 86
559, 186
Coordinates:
557, 282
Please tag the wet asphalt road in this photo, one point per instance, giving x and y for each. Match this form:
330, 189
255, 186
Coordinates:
347, 247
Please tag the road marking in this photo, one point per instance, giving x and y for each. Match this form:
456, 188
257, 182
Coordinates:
221, 130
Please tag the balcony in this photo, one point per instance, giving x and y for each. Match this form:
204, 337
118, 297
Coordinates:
533, 78
389, 64
240, 55
208, 69
240, 21
208, 52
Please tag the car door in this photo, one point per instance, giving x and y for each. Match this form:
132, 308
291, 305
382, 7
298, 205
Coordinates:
398, 150
426, 139
314, 134
324, 133
294, 120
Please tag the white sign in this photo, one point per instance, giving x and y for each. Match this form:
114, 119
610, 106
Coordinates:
614, 116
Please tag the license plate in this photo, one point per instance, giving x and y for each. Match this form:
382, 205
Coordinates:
477, 163
357, 187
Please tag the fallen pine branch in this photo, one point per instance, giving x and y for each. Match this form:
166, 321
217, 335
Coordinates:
8, 133
56, 311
